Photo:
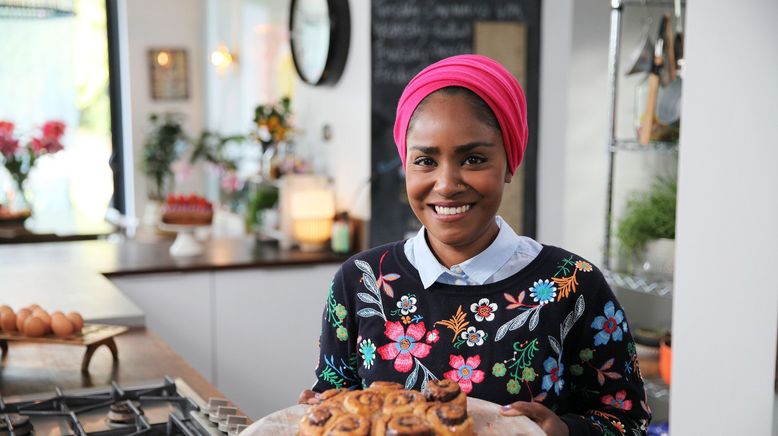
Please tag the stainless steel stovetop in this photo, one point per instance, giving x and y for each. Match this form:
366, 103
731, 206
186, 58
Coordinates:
167, 408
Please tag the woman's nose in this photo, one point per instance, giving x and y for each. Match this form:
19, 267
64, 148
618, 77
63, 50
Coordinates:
449, 181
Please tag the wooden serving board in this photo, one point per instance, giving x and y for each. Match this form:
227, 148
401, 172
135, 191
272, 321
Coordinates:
486, 417
92, 336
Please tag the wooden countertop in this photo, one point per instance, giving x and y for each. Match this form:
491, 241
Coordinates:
72, 275
143, 357
133, 257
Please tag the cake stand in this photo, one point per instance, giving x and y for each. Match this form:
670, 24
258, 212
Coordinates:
186, 244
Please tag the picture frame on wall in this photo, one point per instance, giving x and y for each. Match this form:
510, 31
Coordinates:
169, 73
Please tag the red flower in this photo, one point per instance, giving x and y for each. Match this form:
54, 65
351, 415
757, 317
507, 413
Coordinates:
406, 345
433, 336
8, 144
618, 402
6, 128
465, 372
53, 130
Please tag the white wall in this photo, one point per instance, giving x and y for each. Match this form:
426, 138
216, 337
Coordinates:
162, 24
725, 309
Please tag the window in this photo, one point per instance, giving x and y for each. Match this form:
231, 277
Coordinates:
57, 68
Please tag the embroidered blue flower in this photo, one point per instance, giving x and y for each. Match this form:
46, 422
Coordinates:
542, 291
609, 325
367, 349
553, 379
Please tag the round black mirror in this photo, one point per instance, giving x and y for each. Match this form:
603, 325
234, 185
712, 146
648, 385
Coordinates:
320, 32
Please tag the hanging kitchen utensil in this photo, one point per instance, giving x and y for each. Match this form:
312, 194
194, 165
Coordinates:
647, 122
668, 109
678, 41
642, 55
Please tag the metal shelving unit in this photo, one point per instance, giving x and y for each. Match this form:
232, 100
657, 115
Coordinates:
656, 388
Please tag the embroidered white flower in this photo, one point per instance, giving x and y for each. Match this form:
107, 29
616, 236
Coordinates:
407, 304
483, 310
473, 336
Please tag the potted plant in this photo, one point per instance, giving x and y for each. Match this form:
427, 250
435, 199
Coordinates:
647, 229
19, 157
164, 144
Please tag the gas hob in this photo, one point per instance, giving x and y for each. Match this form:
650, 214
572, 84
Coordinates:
169, 408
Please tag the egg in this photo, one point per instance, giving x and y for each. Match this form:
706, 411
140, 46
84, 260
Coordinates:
5, 308
43, 316
8, 321
61, 326
77, 320
33, 307
34, 327
21, 317
56, 312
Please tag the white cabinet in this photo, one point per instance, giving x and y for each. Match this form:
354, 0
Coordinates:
178, 308
268, 323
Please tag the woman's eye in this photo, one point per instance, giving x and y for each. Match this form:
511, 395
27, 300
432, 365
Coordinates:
423, 161
474, 160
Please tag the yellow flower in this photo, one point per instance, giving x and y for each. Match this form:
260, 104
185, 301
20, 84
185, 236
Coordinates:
406, 319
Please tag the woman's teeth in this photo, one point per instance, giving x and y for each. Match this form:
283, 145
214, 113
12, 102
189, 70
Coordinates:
440, 210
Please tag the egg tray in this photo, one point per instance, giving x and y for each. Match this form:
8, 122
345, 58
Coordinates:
92, 336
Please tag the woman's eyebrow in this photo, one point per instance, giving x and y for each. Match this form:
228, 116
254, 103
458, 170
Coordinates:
465, 148
459, 149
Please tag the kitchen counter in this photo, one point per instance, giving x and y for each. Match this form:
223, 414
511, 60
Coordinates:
72, 275
143, 357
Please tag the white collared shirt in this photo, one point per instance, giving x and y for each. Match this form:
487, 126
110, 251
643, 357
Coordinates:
508, 254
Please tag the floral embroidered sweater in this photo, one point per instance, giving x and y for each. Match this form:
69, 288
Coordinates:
553, 333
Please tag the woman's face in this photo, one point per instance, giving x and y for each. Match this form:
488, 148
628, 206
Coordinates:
456, 168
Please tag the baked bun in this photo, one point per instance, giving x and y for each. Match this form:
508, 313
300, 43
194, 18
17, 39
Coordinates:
317, 417
332, 395
348, 424
408, 424
450, 419
365, 403
386, 409
445, 391
402, 401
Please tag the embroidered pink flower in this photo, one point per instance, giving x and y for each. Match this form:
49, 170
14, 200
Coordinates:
433, 336
619, 402
465, 372
406, 345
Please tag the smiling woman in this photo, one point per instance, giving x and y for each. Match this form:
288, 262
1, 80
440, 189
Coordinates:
450, 312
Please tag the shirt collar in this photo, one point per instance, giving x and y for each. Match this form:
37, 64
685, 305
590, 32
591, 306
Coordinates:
478, 268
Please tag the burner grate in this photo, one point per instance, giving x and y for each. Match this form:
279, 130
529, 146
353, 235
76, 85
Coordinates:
124, 412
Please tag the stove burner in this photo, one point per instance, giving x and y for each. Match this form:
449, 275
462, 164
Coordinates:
20, 424
120, 414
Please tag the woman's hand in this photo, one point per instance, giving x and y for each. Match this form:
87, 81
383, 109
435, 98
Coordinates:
542, 415
308, 397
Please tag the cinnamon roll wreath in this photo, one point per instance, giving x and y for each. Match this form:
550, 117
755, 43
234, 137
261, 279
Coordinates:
386, 409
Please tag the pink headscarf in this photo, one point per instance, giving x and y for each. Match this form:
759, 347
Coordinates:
485, 77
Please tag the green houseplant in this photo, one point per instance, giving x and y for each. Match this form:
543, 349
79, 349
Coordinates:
649, 216
164, 144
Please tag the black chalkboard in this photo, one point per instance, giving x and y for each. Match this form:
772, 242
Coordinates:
408, 35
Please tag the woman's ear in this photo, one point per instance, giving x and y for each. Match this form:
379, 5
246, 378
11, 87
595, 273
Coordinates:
508, 176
